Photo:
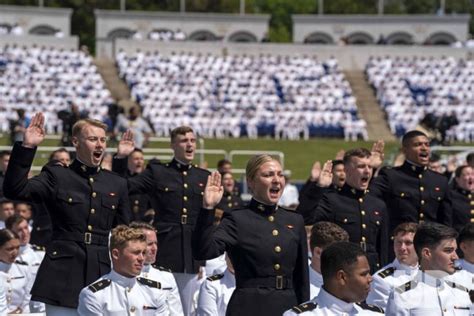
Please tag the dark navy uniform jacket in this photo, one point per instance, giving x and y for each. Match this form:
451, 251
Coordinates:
268, 249
176, 192
230, 201
413, 194
362, 215
463, 207
84, 204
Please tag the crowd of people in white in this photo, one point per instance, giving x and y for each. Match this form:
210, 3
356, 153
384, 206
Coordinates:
221, 96
17, 30
164, 35
410, 88
49, 80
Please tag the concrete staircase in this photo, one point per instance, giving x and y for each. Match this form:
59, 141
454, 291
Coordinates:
368, 107
117, 87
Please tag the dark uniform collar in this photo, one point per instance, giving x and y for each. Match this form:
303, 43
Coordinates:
461, 190
83, 169
408, 165
347, 189
262, 208
179, 165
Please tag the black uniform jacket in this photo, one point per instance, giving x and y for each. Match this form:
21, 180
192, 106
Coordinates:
267, 246
176, 192
84, 204
230, 201
463, 207
362, 215
140, 203
413, 194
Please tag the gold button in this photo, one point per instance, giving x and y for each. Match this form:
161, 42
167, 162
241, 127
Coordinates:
472, 220
166, 189
469, 196
185, 185
136, 202
202, 193
276, 266
94, 194
185, 173
422, 189
132, 309
377, 222
185, 211
345, 220
69, 200
364, 226
55, 253
362, 212
277, 249
402, 194
89, 227
91, 180
275, 232
38, 228
113, 207
129, 289
229, 205
92, 211
361, 200
271, 218
229, 198
185, 198
422, 202
472, 202
422, 215
420, 176
472, 212
363, 238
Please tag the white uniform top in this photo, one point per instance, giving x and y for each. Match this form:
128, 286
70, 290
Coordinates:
315, 282
215, 294
427, 295
386, 279
3, 300
16, 279
464, 276
326, 304
466, 266
33, 255
114, 294
168, 285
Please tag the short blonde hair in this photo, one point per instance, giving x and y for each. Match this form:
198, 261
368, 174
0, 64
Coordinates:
123, 234
79, 125
255, 163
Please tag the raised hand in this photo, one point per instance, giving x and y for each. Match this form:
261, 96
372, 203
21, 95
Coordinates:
126, 144
315, 171
377, 154
340, 154
34, 133
325, 179
213, 191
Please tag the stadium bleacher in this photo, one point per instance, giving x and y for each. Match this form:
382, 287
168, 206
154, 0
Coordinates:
269, 95
413, 89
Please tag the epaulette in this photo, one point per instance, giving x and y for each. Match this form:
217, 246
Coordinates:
386, 272
161, 268
305, 307
99, 285
410, 285
23, 263
38, 248
457, 286
371, 307
215, 277
149, 283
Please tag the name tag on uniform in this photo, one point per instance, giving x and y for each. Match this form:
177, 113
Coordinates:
145, 307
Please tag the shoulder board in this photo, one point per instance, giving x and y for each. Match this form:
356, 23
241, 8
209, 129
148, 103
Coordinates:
38, 248
216, 277
457, 286
410, 285
370, 307
99, 285
161, 268
305, 307
386, 272
23, 263
149, 283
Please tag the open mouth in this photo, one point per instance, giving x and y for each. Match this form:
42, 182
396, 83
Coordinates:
274, 192
364, 180
424, 155
97, 154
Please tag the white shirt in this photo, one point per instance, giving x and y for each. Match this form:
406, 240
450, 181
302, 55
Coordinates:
215, 294
114, 294
16, 279
315, 282
326, 304
3, 300
464, 276
32, 256
428, 295
386, 279
168, 284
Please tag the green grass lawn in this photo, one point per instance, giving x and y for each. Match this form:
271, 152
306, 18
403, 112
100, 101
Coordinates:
299, 155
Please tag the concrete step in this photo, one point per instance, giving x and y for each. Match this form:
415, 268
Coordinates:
368, 107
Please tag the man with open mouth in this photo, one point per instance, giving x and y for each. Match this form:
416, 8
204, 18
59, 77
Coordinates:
352, 207
412, 192
462, 195
84, 203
